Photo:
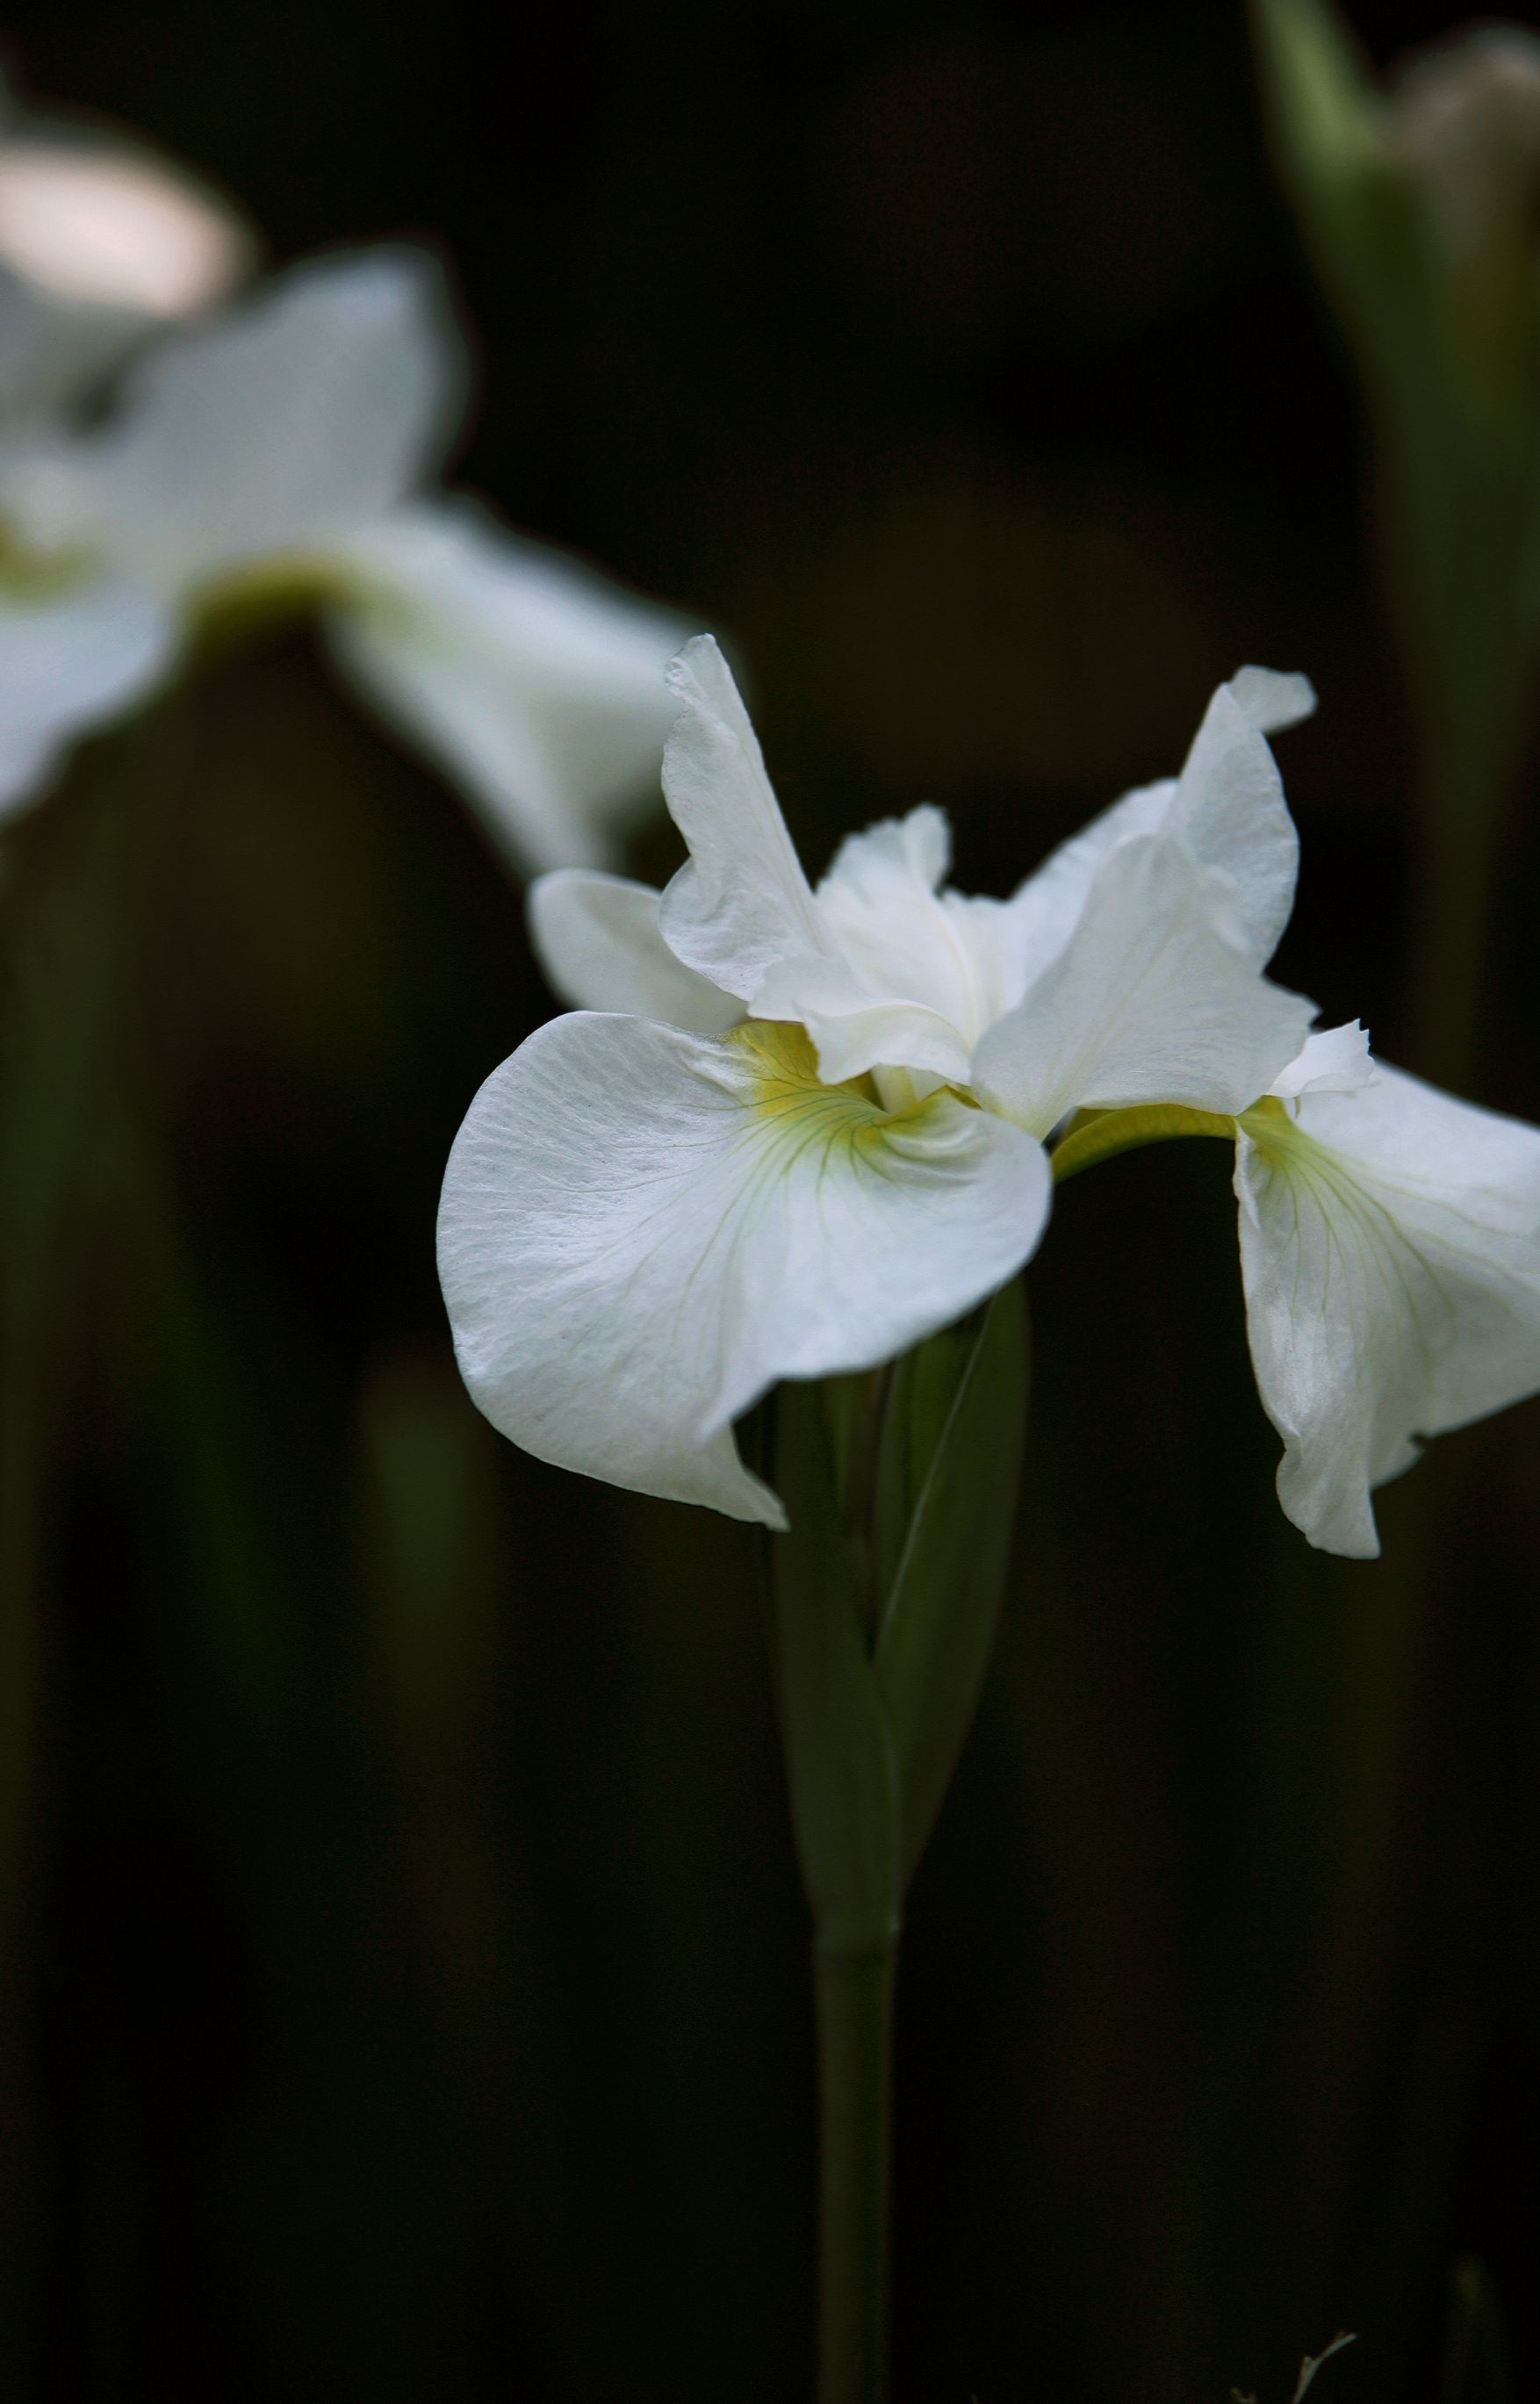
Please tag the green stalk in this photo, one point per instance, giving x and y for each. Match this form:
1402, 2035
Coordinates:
901, 1492
854, 1994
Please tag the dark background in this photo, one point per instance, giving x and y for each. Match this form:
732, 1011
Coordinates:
410, 1998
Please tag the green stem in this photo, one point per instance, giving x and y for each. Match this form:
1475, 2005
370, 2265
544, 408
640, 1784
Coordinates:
855, 2022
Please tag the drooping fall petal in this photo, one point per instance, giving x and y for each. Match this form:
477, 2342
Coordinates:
1389, 1247
643, 1230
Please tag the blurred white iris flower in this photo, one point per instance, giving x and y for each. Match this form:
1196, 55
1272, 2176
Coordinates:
102, 244
791, 1132
279, 454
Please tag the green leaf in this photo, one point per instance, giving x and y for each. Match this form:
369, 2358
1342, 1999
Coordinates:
902, 1495
948, 1473
841, 1764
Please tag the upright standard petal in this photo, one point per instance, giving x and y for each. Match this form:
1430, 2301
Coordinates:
1156, 998
598, 939
643, 1230
1390, 1247
741, 904
293, 420
1273, 699
1228, 805
70, 664
900, 989
533, 683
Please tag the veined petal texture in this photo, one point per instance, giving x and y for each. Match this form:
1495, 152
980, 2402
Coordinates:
642, 1229
1389, 1247
1156, 998
305, 414
533, 681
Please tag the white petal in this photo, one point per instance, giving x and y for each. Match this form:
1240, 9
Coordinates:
289, 422
903, 990
1228, 804
1390, 1246
1230, 808
880, 904
643, 1230
741, 903
1156, 1000
1273, 698
1044, 912
598, 939
893, 858
68, 666
1335, 1061
535, 683
853, 1029
51, 348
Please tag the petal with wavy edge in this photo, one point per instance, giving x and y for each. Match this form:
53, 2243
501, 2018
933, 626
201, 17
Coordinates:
1154, 1000
915, 984
643, 1230
289, 421
1390, 1249
1335, 1061
68, 666
598, 939
533, 682
741, 903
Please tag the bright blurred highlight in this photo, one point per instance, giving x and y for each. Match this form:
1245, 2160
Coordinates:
108, 228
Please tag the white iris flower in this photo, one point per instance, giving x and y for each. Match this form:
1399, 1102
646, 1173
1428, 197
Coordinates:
101, 243
791, 1132
282, 452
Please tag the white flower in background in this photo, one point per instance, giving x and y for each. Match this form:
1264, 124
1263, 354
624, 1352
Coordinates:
101, 243
822, 1136
284, 451
814, 1130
